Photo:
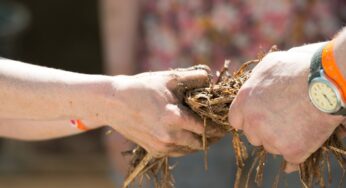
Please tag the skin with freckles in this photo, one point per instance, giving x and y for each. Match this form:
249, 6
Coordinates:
273, 107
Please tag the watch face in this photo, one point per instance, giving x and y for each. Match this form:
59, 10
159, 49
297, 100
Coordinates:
324, 96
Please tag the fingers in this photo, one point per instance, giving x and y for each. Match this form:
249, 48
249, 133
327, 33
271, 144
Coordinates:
251, 134
291, 168
214, 131
178, 134
193, 79
186, 142
176, 144
190, 121
192, 141
194, 124
196, 67
181, 81
184, 119
189, 144
187, 120
235, 116
271, 149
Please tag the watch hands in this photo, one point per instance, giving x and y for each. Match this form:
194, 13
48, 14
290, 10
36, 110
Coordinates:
325, 96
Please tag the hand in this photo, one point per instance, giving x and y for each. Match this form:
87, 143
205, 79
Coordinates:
147, 109
273, 107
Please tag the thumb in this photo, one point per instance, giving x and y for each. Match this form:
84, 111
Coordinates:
182, 80
291, 168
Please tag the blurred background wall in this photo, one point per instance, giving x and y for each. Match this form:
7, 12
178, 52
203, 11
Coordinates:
65, 35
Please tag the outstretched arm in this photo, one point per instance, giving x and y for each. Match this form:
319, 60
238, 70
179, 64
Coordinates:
146, 108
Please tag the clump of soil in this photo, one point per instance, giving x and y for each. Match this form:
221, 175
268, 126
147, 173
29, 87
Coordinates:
212, 104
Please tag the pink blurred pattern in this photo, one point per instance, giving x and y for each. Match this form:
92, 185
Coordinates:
179, 33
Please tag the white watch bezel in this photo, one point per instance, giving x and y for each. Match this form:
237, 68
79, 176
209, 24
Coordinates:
324, 79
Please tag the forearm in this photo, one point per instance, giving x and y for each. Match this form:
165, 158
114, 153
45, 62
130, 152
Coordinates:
38, 130
340, 51
40, 93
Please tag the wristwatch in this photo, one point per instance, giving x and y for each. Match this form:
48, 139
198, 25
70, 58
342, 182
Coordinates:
327, 86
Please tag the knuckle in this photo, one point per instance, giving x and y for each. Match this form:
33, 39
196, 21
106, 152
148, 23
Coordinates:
253, 140
157, 154
161, 149
272, 58
168, 95
255, 121
173, 119
255, 129
166, 139
273, 55
173, 78
154, 152
293, 154
294, 49
173, 75
269, 147
168, 120
173, 112
293, 159
271, 138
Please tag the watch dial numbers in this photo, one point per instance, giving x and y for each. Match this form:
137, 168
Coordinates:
323, 97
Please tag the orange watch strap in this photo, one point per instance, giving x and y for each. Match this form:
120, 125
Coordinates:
331, 69
79, 125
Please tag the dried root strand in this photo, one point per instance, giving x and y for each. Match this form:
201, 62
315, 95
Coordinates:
261, 155
239, 149
278, 175
205, 146
144, 165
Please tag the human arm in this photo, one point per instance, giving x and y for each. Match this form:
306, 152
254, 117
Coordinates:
39, 93
144, 108
273, 107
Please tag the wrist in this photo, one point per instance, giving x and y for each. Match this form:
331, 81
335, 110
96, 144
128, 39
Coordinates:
106, 104
327, 87
87, 100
